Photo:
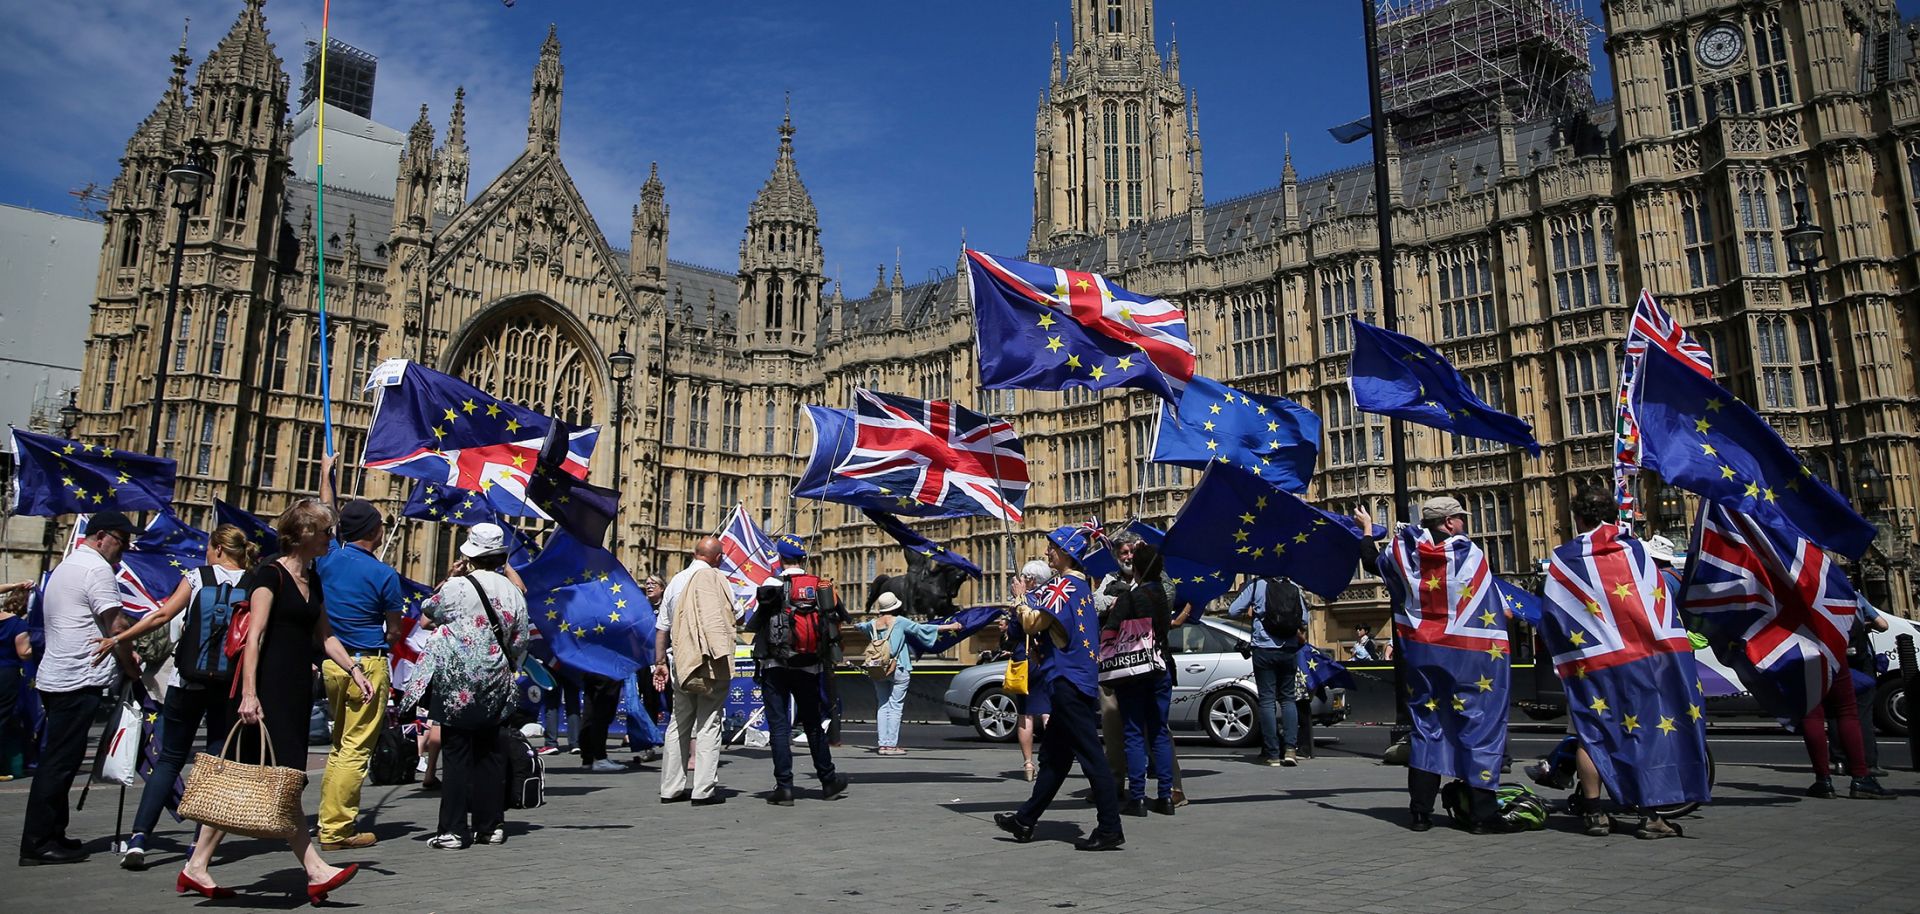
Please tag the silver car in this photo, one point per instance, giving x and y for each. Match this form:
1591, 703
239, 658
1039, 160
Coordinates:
1213, 693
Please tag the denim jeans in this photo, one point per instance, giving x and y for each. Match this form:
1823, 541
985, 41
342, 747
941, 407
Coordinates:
1274, 675
891, 697
791, 695
1144, 701
180, 717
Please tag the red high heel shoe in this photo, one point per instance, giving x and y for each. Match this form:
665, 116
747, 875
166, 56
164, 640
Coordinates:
185, 884
317, 891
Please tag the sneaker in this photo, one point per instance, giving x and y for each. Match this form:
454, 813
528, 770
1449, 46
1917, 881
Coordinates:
1291, 759
420, 767
1655, 828
1271, 762
1867, 788
606, 765
1538, 773
799, 739
494, 838
135, 857
447, 843
543, 750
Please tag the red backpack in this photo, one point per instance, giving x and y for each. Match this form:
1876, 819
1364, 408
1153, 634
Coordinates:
797, 632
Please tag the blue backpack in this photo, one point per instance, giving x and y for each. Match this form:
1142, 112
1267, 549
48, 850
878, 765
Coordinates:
201, 656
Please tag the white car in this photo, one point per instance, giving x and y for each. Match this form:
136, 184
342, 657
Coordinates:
1213, 691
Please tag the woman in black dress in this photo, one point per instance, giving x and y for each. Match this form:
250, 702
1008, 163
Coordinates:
287, 618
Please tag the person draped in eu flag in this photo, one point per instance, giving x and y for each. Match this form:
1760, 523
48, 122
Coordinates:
1066, 648
1450, 626
1615, 635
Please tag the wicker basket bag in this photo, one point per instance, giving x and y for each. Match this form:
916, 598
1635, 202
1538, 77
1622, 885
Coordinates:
259, 801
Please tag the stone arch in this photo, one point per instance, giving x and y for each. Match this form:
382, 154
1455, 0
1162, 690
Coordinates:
527, 349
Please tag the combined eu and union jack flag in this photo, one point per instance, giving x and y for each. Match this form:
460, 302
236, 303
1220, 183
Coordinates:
1703, 439
588, 608
833, 436
1632, 688
1238, 522
1449, 626
54, 476
1651, 326
747, 558
938, 453
442, 504
436, 427
1272, 437
1778, 609
918, 543
1396, 375
1047, 328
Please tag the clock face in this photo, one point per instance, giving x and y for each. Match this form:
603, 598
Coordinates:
1720, 45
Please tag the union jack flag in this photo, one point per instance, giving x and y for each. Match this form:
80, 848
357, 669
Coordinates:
938, 453
747, 557
1779, 608
1632, 689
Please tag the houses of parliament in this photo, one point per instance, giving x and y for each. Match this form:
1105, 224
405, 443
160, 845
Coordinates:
1526, 218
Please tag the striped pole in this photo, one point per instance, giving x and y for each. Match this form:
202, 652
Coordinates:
320, 233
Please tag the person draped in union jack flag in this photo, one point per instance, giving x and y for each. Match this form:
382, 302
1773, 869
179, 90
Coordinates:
1451, 629
1060, 617
1613, 630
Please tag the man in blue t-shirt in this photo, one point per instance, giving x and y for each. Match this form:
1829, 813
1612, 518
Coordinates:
365, 604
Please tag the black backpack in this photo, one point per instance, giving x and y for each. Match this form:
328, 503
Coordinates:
1284, 611
526, 773
201, 656
395, 754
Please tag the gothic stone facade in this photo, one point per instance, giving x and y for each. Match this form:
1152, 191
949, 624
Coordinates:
1519, 254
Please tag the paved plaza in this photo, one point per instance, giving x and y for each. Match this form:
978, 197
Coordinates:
915, 833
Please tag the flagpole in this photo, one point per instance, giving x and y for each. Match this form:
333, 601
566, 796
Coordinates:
1389, 318
320, 232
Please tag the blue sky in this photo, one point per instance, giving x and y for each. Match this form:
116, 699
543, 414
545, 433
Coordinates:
915, 119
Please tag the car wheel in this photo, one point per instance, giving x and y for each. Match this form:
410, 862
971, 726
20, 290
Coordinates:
1228, 716
1890, 707
995, 715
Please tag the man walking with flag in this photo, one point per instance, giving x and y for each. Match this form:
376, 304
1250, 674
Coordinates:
1450, 626
1617, 642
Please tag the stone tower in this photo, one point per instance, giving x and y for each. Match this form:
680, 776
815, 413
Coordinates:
780, 259
450, 162
648, 264
1114, 144
543, 116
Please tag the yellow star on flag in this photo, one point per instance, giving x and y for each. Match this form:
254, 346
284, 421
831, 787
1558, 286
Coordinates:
599, 628
468, 407
613, 589
1714, 405
1485, 684
553, 614
1593, 607
1054, 344
1212, 445
1214, 409
519, 461
1726, 472
1631, 723
1299, 537
1624, 590
451, 416
1701, 426
1433, 583
1073, 361
493, 409
1083, 285
1666, 725
1753, 490
1240, 535
1126, 361
1432, 705
1693, 711
1487, 618
1459, 704
1207, 425
1578, 638
1708, 450
513, 425
1599, 704
1495, 650
439, 432
1046, 321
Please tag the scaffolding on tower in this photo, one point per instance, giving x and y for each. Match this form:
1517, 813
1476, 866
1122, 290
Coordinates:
1447, 67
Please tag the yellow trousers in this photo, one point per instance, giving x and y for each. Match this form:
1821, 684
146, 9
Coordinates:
356, 729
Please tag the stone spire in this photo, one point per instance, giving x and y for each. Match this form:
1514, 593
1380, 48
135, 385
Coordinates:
414, 185
780, 257
543, 117
1289, 189
649, 248
161, 131
784, 196
451, 163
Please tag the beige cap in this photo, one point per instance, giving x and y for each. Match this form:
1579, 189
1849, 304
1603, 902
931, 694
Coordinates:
1439, 508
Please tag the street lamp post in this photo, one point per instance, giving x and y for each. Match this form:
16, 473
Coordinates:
620, 368
189, 179
1803, 242
69, 420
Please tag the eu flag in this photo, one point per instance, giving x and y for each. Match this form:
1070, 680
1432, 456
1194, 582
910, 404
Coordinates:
1701, 438
1632, 689
258, 530
913, 540
971, 620
1195, 582
54, 476
579, 507
1397, 375
1519, 602
1241, 523
1046, 328
1322, 670
1273, 437
589, 608
833, 437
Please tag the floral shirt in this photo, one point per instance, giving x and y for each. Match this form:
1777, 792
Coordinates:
463, 677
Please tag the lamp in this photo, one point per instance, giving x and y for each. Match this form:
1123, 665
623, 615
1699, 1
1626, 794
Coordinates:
1803, 240
620, 363
190, 175
70, 414
620, 369
1870, 486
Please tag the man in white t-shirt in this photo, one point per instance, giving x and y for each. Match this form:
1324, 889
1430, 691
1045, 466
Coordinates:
81, 604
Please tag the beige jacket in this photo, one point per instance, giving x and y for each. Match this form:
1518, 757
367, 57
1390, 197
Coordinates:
702, 629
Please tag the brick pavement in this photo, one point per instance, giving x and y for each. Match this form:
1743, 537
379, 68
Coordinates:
915, 834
